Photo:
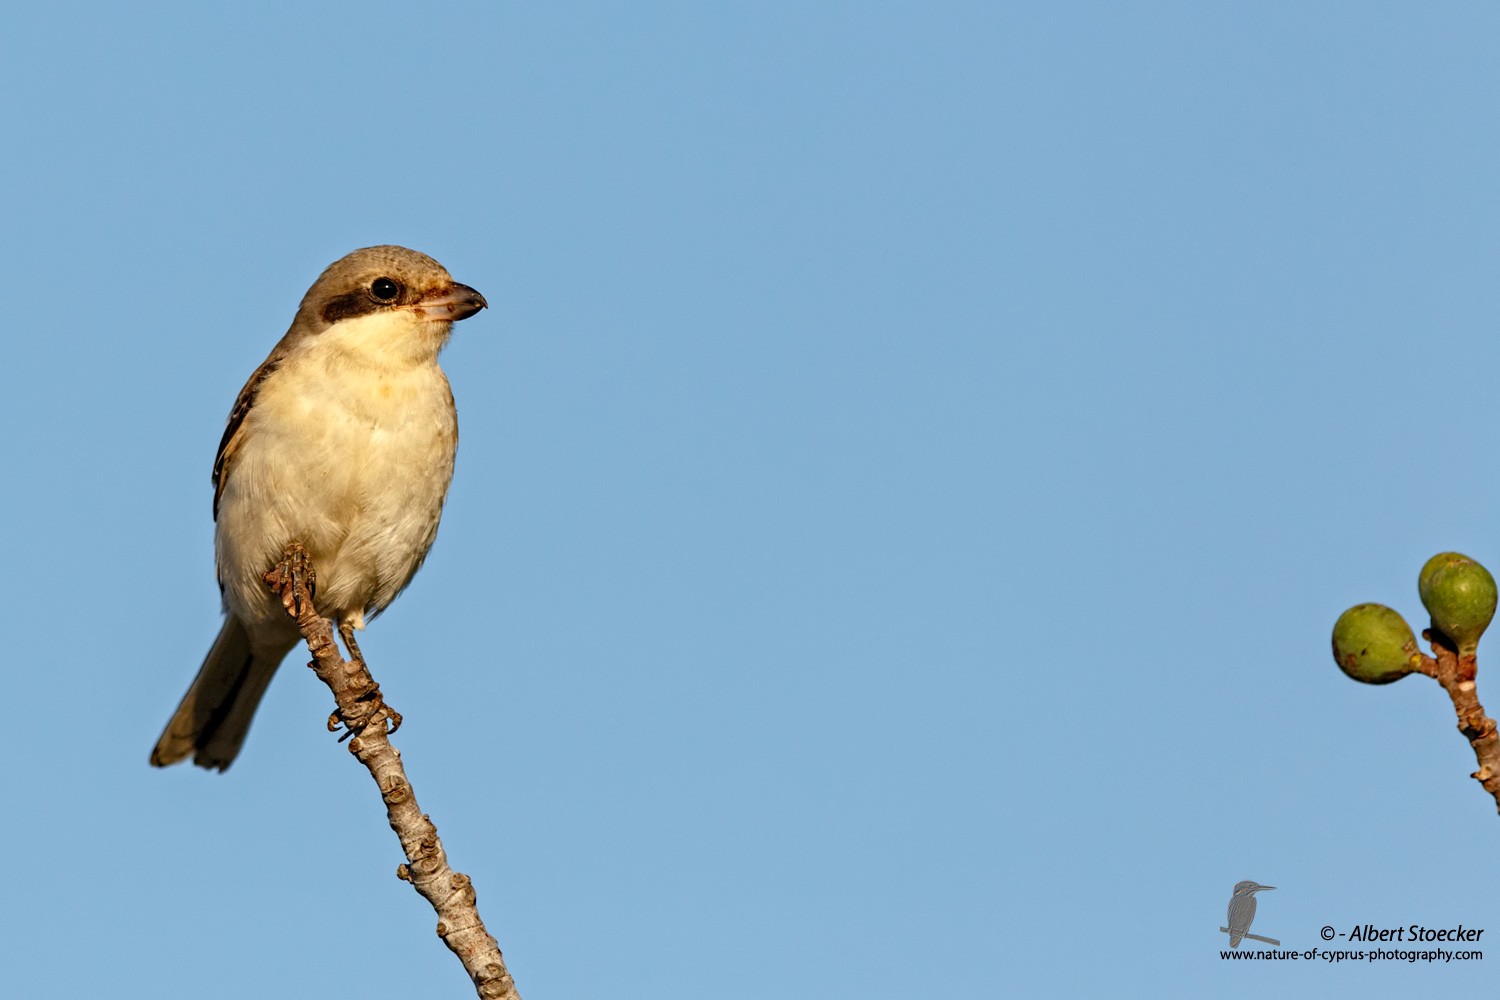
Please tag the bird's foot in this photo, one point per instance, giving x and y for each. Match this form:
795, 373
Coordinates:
375, 711
346, 632
376, 707
291, 577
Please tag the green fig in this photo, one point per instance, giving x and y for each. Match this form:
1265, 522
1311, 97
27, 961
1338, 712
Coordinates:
1460, 595
1434, 564
1372, 643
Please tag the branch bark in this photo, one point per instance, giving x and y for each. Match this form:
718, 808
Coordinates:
363, 712
1456, 673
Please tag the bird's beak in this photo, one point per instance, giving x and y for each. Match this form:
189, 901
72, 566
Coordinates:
453, 303
1261, 887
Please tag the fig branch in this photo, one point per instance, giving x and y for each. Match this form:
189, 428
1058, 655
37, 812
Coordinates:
1374, 645
364, 714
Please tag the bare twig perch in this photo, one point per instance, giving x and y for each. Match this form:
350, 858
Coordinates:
1455, 672
1252, 937
363, 712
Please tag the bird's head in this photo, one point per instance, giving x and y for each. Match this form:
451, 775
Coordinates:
1248, 887
386, 301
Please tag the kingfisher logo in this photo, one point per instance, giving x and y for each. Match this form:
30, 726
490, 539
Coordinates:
1242, 914
1242, 906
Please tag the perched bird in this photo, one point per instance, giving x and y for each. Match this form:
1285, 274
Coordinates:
1242, 910
343, 440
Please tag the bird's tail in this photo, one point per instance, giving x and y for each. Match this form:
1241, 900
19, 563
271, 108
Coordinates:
215, 714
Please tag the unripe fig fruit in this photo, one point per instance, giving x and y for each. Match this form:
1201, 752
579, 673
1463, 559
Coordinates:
1431, 566
1372, 643
1460, 595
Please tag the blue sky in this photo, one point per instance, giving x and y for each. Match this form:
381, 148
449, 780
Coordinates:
909, 472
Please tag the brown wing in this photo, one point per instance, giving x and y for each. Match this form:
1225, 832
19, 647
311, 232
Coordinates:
230, 442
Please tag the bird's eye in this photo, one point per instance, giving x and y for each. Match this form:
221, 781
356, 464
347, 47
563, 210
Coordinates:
384, 289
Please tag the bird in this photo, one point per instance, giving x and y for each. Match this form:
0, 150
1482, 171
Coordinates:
342, 441
1242, 910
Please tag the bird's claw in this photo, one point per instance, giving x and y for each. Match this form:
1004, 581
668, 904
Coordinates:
377, 711
291, 577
